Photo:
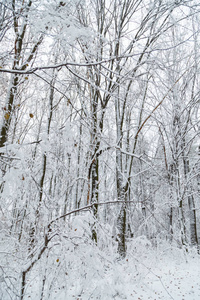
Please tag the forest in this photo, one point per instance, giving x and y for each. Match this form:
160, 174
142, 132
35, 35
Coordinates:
99, 149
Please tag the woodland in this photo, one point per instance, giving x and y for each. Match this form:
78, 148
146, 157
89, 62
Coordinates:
99, 149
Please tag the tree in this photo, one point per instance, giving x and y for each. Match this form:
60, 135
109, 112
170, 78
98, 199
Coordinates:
101, 115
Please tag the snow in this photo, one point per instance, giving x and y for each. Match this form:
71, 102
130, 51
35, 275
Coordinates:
55, 257
168, 279
74, 268
157, 277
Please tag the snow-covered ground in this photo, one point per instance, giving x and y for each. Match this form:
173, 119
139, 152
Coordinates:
146, 273
74, 268
168, 275
156, 275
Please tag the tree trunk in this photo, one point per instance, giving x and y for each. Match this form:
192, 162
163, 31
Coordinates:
191, 205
